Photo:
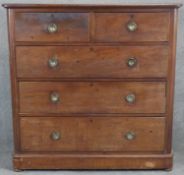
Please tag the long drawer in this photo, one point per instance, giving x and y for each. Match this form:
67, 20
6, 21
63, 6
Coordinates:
92, 134
92, 97
92, 61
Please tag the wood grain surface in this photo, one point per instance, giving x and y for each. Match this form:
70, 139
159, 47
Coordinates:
86, 97
92, 61
92, 134
33, 27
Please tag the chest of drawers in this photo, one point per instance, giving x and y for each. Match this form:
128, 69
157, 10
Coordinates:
92, 85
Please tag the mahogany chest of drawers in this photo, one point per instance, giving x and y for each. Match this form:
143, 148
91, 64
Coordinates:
92, 85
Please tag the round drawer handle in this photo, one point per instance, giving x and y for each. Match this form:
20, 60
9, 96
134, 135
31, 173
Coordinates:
55, 135
132, 26
130, 98
54, 97
130, 135
132, 62
53, 62
52, 28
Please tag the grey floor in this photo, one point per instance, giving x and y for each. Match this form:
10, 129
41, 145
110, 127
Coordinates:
6, 169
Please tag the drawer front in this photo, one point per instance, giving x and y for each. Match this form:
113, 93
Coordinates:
92, 97
61, 27
132, 27
92, 134
92, 62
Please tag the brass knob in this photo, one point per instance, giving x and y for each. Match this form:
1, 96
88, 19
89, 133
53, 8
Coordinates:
132, 26
132, 62
53, 62
52, 28
130, 135
54, 97
55, 135
130, 98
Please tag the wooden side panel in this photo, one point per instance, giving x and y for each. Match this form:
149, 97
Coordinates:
14, 84
171, 79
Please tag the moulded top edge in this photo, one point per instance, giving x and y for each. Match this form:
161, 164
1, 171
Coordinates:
120, 5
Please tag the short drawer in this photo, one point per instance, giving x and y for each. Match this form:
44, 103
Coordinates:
92, 62
59, 27
92, 134
92, 97
121, 27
